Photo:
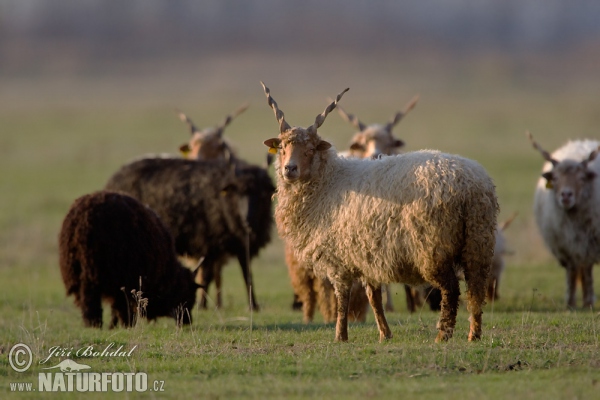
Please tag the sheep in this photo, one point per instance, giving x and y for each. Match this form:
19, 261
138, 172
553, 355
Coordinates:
498, 264
109, 245
210, 145
415, 218
208, 210
567, 212
375, 139
370, 142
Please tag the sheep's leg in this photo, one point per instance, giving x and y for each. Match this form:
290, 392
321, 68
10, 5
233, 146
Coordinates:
389, 303
308, 297
376, 301
204, 277
90, 301
476, 292
245, 265
122, 311
342, 293
358, 303
492, 293
410, 300
219, 284
587, 284
450, 290
572, 275
326, 300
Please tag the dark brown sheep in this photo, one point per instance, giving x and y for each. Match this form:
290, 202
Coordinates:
110, 245
204, 220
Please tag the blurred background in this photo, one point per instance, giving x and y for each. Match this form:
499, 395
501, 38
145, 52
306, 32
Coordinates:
87, 85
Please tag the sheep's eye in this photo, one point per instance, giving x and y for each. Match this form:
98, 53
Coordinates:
310, 152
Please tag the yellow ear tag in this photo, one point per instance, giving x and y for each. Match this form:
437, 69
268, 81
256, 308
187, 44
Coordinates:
549, 185
273, 150
184, 153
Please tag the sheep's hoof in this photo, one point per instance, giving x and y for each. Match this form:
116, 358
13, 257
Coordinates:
385, 336
442, 337
341, 338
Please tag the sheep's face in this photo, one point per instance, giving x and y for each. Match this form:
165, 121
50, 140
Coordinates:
571, 182
374, 141
296, 151
206, 145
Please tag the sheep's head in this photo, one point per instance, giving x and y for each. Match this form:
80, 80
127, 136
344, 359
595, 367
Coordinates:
297, 147
208, 144
570, 180
374, 140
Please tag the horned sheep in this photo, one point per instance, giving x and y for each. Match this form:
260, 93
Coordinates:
416, 218
109, 245
209, 144
567, 212
370, 142
207, 210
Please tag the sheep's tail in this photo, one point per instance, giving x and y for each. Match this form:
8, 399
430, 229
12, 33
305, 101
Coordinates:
480, 224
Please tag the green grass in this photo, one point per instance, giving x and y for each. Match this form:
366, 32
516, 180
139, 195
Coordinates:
59, 142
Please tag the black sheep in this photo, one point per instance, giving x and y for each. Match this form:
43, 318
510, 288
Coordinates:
205, 220
110, 245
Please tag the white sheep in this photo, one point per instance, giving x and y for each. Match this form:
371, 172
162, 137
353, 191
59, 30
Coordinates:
416, 218
567, 212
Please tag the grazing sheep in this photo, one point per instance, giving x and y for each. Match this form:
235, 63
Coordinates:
208, 210
370, 142
415, 218
500, 251
567, 212
209, 145
109, 245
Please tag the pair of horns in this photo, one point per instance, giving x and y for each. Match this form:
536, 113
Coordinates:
555, 162
284, 126
219, 128
397, 117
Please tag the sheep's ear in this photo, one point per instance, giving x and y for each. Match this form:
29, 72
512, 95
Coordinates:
548, 177
397, 143
185, 149
323, 145
356, 146
272, 144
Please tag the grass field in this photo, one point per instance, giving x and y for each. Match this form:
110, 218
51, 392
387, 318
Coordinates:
63, 136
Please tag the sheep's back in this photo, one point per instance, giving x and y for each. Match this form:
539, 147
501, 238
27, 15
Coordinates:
186, 194
113, 240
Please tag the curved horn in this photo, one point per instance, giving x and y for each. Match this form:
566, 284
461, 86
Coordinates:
283, 126
321, 117
230, 117
350, 118
184, 118
400, 115
539, 148
506, 223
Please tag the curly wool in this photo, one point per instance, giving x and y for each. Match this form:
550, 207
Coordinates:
109, 245
396, 219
